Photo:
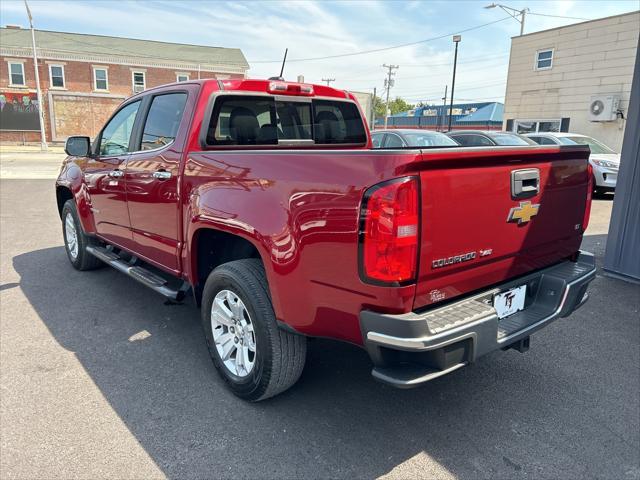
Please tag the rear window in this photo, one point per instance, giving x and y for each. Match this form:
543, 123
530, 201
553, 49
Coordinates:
511, 139
260, 120
428, 139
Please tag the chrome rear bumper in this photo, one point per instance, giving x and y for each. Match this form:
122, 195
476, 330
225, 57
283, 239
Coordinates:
416, 347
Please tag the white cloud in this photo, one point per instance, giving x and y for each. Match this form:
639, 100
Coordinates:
319, 28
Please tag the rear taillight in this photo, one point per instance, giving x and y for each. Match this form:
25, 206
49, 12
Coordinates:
587, 207
389, 230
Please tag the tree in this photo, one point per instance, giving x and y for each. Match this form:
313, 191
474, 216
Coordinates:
396, 106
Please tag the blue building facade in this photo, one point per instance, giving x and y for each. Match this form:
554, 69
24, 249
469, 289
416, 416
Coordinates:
478, 115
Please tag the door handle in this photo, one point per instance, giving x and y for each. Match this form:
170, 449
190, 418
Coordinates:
116, 173
525, 183
162, 175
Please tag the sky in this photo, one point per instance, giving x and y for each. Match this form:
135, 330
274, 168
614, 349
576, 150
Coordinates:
312, 29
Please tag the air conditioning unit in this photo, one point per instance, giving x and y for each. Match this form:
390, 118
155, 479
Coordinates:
604, 108
138, 88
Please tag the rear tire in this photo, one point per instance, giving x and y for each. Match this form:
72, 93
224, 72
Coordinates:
76, 241
243, 312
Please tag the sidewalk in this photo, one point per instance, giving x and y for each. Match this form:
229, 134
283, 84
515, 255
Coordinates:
30, 149
30, 164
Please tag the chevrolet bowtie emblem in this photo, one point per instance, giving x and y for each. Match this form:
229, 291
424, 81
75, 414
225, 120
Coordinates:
523, 213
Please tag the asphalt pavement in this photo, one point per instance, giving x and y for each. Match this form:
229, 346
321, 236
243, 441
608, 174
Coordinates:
100, 379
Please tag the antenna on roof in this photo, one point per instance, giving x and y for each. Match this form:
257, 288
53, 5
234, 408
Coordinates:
280, 77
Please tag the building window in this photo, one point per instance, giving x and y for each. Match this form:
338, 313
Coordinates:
16, 73
544, 59
56, 76
100, 79
138, 81
182, 77
534, 126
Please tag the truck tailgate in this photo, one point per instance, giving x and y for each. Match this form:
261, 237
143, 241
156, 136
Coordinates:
476, 233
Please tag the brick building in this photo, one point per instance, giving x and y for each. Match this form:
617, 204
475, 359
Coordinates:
83, 78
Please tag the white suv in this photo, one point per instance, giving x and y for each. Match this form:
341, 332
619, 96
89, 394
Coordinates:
605, 162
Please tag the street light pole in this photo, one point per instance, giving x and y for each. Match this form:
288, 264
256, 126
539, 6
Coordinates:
456, 40
43, 137
514, 12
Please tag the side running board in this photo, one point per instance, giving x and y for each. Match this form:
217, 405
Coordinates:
139, 273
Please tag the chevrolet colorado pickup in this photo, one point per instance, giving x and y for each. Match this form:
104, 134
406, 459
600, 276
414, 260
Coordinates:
265, 201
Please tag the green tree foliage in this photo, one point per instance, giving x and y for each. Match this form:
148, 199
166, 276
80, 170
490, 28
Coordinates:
396, 106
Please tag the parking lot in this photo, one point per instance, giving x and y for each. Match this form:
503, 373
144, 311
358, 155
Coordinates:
101, 379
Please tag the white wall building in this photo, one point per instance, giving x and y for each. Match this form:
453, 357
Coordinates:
557, 76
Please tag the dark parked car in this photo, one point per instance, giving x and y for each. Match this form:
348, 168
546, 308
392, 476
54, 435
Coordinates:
488, 138
410, 138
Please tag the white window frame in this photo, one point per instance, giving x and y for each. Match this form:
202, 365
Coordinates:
24, 77
95, 79
537, 121
133, 81
64, 80
536, 60
182, 74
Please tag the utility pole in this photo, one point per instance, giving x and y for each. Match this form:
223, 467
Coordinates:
388, 83
456, 40
328, 80
43, 137
514, 12
444, 108
373, 109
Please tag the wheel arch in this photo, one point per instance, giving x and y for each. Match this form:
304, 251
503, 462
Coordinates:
210, 247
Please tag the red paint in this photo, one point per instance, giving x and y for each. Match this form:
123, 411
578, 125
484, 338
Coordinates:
301, 209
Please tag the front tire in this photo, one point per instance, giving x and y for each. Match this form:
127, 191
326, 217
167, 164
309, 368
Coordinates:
75, 240
255, 357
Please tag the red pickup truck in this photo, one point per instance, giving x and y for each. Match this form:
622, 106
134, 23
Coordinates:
265, 201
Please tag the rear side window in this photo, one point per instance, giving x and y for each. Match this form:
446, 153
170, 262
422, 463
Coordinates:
469, 140
163, 120
511, 139
260, 120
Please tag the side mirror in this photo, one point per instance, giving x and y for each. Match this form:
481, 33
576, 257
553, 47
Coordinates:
78, 146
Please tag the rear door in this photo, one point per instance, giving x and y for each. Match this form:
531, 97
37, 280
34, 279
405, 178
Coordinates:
153, 173
104, 176
477, 230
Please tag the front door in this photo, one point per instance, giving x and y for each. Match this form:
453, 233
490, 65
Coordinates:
104, 177
152, 180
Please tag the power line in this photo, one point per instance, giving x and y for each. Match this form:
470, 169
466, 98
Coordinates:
383, 49
557, 16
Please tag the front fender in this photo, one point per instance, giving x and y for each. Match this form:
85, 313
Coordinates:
71, 177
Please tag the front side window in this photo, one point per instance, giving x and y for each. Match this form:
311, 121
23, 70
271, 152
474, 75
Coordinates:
544, 59
163, 120
138, 82
117, 134
100, 79
16, 73
56, 74
261, 120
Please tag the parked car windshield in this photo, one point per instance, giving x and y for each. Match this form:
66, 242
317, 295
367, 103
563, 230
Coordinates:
595, 146
510, 139
428, 139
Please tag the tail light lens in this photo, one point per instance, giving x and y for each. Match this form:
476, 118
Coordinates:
389, 228
587, 207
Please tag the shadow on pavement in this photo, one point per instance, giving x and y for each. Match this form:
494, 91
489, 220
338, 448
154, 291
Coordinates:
568, 408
